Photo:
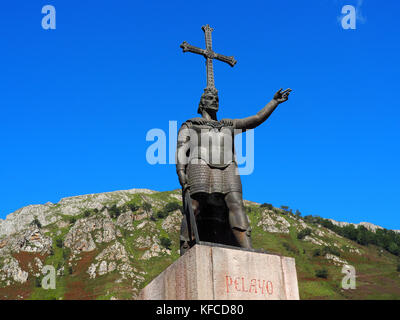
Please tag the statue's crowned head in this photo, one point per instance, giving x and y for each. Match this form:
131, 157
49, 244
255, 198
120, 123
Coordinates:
209, 100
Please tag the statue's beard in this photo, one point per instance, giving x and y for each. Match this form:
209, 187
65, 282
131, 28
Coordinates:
211, 107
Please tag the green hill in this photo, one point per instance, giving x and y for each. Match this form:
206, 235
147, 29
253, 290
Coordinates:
110, 245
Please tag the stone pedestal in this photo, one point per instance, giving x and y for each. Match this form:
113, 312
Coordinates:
208, 272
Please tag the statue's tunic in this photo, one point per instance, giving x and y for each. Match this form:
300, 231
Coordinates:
210, 156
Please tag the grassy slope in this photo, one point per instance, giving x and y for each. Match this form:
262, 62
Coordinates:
377, 277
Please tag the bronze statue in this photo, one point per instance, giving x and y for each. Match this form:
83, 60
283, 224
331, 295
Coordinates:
206, 165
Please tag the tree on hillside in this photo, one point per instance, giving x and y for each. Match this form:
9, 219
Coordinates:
166, 242
394, 249
114, 211
89, 212
267, 205
285, 208
146, 206
383, 238
131, 205
172, 206
350, 232
36, 222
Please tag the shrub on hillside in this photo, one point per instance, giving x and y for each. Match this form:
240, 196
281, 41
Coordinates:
290, 248
285, 208
70, 270
322, 273
331, 250
86, 213
267, 205
326, 250
394, 249
66, 253
162, 214
89, 212
316, 252
38, 282
59, 243
36, 222
166, 242
172, 206
114, 211
146, 206
168, 208
303, 233
131, 205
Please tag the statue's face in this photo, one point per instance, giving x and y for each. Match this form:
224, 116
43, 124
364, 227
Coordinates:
209, 101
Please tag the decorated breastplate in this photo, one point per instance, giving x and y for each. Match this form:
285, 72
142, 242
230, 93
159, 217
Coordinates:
212, 141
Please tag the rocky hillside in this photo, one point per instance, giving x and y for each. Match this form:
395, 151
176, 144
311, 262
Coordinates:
110, 245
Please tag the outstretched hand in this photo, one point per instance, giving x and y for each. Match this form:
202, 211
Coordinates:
282, 96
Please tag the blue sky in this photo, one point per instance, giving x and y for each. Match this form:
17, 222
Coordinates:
76, 102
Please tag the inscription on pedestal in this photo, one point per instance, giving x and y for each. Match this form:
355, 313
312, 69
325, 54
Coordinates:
218, 273
256, 286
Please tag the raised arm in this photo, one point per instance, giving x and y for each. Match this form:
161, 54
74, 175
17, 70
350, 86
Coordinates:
254, 121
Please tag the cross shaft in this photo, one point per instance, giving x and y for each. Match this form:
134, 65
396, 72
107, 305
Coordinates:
209, 54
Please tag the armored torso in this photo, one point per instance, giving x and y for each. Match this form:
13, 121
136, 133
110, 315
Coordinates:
206, 149
211, 142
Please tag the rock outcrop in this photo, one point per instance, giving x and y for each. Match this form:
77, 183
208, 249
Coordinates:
274, 223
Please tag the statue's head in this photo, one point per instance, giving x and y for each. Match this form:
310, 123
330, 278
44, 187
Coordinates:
209, 100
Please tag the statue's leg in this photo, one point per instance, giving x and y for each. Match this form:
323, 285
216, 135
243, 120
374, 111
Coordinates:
184, 237
238, 220
196, 207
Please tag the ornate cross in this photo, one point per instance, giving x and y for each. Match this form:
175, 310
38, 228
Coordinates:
209, 54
